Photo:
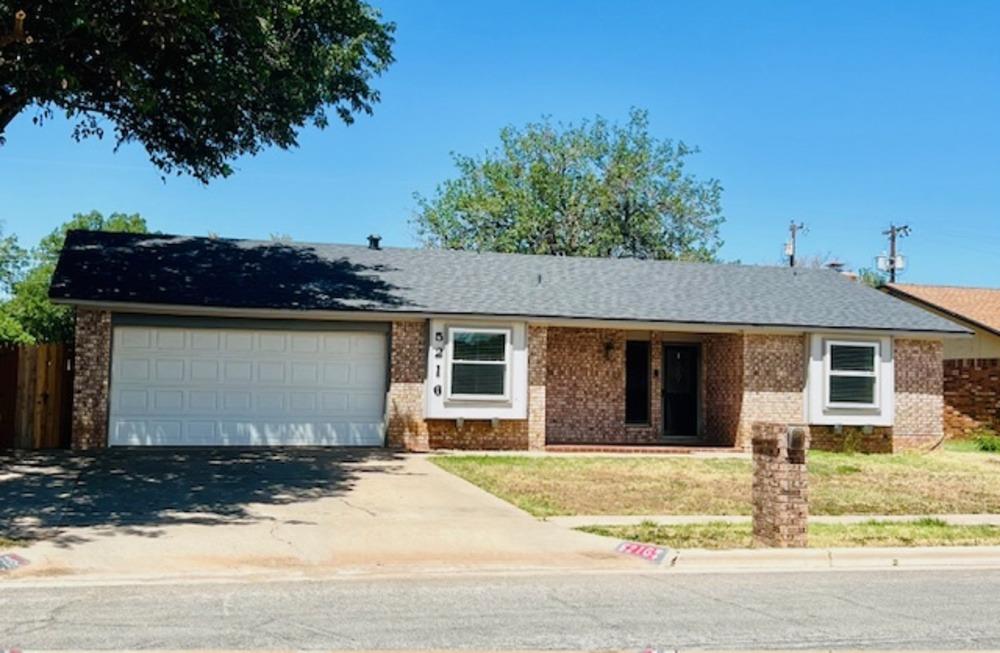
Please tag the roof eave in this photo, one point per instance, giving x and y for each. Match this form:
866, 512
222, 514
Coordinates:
899, 293
552, 320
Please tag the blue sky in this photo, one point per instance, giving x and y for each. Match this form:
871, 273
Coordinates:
844, 115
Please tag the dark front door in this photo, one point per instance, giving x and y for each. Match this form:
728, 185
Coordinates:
680, 390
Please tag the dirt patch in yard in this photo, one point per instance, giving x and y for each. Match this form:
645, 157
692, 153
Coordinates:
897, 484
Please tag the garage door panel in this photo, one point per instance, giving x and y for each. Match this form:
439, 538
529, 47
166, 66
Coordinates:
168, 400
132, 369
175, 339
337, 343
203, 400
237, 341
173, 386
135, 339
271, 342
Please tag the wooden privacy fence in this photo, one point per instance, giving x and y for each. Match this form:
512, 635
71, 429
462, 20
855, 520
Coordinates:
36, 396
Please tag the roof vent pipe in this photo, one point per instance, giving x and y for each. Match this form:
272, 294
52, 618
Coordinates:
373, 241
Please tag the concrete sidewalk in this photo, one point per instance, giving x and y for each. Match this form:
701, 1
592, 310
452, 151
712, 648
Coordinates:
577, 521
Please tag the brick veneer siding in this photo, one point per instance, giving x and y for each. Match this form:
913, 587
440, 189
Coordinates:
91, 379
723, 386
971, 395
851, 439
751, 378
919, 422
407, 427
774, 378
585, 390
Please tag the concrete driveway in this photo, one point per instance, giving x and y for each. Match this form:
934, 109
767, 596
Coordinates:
284, 512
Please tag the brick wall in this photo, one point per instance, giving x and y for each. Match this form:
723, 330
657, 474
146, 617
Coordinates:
851, 439
91, 379
407, 427
774, 378
971, 395
723, 386
919, 393
585, 393
752, 378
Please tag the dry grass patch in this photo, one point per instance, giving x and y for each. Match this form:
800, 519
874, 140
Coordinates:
584, 485
722, 535
900, 484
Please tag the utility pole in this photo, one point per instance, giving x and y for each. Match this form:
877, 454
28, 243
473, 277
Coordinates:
894, 263
793, 230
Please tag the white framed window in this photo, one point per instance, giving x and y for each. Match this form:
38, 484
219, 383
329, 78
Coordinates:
852, 374
479, 363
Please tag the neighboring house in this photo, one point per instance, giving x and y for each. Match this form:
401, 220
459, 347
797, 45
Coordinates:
971, 365
210, 341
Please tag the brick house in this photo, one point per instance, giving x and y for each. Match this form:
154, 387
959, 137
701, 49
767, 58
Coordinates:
971, 365
210, 341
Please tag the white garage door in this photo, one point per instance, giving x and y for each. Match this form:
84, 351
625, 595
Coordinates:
242, 387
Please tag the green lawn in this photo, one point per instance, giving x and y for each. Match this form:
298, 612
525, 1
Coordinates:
5, 543
948, 481
721, 535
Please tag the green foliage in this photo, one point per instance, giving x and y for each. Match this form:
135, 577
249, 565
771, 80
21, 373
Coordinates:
29, 316
594, 189
12, 259
872, 278
196, 83
11, 330
987, 440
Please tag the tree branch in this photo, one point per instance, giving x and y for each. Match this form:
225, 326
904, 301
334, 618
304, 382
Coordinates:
10, 106
17, 35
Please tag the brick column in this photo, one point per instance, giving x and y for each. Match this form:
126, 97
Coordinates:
407, 368
780, 485
537, 373
91, 379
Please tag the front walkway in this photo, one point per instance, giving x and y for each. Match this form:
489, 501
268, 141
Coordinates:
292, 513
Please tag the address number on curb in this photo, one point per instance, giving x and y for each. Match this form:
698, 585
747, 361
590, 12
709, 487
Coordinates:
648, 552
10, 561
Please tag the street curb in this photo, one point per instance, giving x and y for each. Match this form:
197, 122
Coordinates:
944, 557
694, 561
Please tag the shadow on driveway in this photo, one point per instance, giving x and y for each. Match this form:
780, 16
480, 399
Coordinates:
42, 494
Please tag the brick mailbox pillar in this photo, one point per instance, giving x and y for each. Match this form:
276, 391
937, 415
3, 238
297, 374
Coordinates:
780, 485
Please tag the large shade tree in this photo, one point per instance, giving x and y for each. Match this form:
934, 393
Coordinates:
594, 189
196, 83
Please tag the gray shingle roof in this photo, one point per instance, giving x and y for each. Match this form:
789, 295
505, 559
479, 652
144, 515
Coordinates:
191, 271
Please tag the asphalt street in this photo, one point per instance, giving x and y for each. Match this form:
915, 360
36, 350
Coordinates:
884, 610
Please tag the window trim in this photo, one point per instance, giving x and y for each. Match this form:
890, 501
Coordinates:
507, 363
828, 372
